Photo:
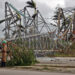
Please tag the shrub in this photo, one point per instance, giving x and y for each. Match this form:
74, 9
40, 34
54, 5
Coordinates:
21, 57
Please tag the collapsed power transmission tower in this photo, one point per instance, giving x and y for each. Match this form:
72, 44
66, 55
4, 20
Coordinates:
31, 28
29, 25
66, 27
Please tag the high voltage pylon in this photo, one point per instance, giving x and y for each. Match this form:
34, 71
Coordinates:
21, 24
34, 28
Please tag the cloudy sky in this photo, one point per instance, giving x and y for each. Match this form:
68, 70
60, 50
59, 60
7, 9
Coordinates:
46, 7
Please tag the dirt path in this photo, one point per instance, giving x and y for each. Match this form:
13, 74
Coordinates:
24, 72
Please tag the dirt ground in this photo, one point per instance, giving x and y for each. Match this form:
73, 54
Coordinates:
54, 64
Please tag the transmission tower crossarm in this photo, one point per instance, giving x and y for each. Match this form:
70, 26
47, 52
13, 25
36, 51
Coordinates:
16, 10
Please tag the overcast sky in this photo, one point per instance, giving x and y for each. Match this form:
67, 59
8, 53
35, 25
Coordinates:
46, 7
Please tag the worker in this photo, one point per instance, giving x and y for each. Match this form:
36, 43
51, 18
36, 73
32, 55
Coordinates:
4, 53
0, 46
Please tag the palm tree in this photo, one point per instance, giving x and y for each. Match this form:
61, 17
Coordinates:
31, 4
1, 21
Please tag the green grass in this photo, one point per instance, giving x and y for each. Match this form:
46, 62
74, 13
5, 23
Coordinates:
58, 54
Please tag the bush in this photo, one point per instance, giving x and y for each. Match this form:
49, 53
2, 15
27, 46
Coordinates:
21, 57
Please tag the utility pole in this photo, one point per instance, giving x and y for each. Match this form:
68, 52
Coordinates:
74, 24
59, 14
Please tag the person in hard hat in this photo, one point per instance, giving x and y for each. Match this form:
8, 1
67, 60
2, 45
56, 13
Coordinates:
0, 45
4, 53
